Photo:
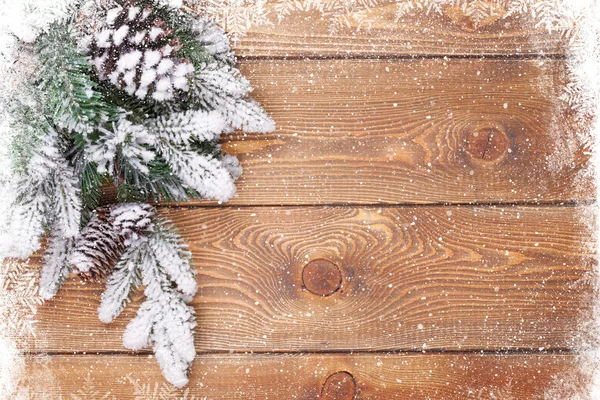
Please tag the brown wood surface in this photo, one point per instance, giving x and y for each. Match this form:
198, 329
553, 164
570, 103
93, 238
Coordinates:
309, 34
400, 132
378, 128
413, 278
304, 377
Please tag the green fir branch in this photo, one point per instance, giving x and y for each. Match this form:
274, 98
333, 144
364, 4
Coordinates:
73, 100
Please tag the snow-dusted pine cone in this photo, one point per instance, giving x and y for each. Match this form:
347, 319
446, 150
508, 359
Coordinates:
135, 50
98, 248
104, 238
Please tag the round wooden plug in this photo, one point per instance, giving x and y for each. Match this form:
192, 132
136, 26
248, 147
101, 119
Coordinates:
322, 277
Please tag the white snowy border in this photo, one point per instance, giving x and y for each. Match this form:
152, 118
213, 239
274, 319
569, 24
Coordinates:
26, 18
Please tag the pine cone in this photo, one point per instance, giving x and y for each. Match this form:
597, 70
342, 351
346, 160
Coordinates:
135, 51
104, 238
98, 248
132, 220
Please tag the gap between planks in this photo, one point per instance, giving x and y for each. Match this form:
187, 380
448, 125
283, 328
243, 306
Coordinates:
482, 352
543, 204
384, 57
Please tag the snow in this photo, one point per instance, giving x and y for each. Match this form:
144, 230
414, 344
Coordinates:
133, 12
112, 15
164, 66
120, 34
151, 58
129, 60
103, 38
155, 32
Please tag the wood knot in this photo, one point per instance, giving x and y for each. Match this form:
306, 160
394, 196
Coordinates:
339, 386
322, 277
488, 144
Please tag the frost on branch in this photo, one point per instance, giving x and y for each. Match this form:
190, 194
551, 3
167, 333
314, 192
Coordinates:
165, 321
215, 40
203, 173
133, 93
130, 246
180, 128
48, 195
119, 285
125, 140
221, 87
56, 266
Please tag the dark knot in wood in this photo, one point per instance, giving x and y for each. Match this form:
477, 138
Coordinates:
322, 277
488, 144
339, 386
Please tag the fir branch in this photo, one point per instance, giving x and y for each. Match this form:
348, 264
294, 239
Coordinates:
220, 87
173, 256
213, 38
181, 127
127, 140
164, 321
67, 207
36, 204
90, 183
73, 100
56, 266
120, 284
203, 173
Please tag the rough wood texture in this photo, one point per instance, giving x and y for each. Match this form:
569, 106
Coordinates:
309, 34
410, 131
305, 377
412, 279
397, 132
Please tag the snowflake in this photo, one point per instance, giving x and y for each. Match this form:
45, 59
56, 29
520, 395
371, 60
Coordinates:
18, 306
89, 392
498, 393
19, 299
235, 16
239, 16
158, 391
549, 14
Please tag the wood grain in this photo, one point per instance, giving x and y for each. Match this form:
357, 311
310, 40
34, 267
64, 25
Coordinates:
310, 34
413, 278
305, 377
410, 132
421, 131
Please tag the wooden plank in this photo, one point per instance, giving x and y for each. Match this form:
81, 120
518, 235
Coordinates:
419, 131
312, 34
410, 131
308, 377
414, 278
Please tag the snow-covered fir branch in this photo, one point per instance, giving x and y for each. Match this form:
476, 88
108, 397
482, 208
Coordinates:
181, 127
203, 173
165, 321
220, 87
123, 280
131, 93
57, 266
48, 194
126, 141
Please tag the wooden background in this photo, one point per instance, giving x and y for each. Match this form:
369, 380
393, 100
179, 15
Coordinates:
411, 230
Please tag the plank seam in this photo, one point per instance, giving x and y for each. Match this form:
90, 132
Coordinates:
483, 352
383, 57
545, 204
